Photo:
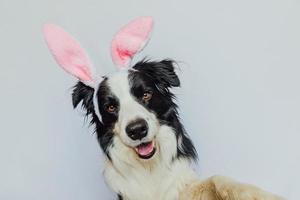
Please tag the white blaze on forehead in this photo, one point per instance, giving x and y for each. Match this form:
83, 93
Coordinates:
119, 84
129, 108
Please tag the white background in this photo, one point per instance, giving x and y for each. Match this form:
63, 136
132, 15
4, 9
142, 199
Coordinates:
239, 99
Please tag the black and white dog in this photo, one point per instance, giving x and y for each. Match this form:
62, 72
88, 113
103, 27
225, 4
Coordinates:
148, 153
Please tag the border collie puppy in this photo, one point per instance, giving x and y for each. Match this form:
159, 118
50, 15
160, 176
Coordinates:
148, 153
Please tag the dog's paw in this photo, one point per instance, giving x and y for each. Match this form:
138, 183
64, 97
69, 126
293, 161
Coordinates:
228, 189
223, 188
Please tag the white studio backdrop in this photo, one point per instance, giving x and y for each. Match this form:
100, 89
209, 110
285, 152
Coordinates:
239, 100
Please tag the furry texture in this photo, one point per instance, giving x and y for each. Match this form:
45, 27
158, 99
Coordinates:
68, 53
130, 40
224, 188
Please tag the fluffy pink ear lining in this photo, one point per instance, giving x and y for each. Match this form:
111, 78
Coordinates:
68, 52
130, 40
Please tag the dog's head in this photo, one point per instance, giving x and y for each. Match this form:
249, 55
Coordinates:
133, 105
133, 109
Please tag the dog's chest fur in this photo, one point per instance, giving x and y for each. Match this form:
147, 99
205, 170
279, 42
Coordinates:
161, 183
161, 178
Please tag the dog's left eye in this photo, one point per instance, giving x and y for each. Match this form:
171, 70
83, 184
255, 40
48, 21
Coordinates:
147, 95
111, 108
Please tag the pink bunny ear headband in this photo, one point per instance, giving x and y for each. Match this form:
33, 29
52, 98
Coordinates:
68, 53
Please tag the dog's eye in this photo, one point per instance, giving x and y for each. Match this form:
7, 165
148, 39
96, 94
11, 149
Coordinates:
147, 96
111, 108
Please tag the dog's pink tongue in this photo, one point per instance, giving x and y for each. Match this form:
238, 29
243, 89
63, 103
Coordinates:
145, 150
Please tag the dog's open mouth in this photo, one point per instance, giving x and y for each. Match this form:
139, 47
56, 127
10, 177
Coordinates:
145, 150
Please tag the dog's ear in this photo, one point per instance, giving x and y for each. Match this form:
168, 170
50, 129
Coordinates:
161, 72
83, 93
166, 73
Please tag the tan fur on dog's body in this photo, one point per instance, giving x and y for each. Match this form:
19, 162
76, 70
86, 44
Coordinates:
223, 188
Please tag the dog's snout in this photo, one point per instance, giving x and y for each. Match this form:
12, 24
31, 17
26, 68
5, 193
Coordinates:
137, 129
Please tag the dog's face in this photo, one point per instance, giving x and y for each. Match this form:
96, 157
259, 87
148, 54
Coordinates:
133, 104
133, 110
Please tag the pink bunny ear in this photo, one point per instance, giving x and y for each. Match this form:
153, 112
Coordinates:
130, 40
68, 53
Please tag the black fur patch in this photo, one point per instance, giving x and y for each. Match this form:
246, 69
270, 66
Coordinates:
83, 93
120, 197
106, 98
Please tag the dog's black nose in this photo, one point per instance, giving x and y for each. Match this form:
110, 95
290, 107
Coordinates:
137, 129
